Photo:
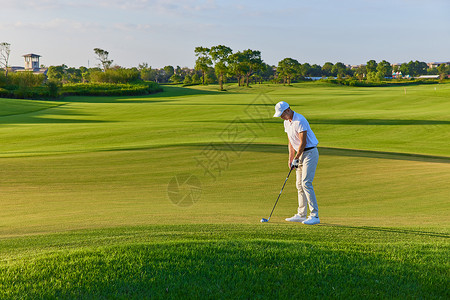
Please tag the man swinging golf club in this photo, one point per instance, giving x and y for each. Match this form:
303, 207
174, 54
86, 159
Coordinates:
304, 156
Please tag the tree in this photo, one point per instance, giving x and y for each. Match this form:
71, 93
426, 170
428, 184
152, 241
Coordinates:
178, 70
404, 69
220, 55
339, 70
238, 66
195, 78
175, 78
305, 69
143, 66
417, 68
187, 79
203, 61
253, 61
57, 73
443, 71
84, 74
149, 74
326, 69
288, 68
102, 56
422, 67
371, 66
266, 72
210, 76
169, 71
5, 50
384, 68
361, 72
73, 75
315, 71
374, 76
432, 71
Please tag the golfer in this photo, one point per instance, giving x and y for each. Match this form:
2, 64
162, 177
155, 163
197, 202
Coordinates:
304, 156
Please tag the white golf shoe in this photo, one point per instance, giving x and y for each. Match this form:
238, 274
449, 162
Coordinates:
311, 221
296, 218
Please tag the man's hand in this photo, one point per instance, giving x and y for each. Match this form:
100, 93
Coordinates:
295, 163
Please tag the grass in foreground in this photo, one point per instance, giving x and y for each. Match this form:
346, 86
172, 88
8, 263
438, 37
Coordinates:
228, 261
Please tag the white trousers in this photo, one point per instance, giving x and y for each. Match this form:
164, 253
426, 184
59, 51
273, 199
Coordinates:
305, 176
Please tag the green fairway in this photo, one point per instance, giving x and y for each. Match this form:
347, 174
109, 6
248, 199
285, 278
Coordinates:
89, 206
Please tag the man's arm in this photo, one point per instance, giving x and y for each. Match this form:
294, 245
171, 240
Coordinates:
291, 154
302, 136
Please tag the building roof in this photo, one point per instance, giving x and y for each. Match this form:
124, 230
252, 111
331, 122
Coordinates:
31, 55
429, 76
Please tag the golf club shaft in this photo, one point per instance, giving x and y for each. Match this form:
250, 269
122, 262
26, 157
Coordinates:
280, 192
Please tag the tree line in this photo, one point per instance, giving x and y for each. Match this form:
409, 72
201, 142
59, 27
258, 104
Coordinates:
247, 65
219, 64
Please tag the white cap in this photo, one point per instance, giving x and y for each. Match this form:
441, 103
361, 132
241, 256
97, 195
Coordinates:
280, 107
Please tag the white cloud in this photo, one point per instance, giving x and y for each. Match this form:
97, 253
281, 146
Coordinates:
57, 24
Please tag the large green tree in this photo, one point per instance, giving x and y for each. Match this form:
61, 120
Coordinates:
57, 73
339, 70
417, 68
253, 61
326, 69
361, 72
221, 56
384, 68
203, 62
168, 72
238, 66
315, 71
442, 71
371, 66
404, 69
267, 72
305, 69
288, 68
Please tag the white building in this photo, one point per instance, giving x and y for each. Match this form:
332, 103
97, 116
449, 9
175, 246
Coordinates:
31, 64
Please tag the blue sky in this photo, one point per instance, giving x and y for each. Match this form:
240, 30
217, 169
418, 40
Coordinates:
166, 32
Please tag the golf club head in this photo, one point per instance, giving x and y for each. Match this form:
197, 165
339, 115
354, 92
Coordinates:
264, 220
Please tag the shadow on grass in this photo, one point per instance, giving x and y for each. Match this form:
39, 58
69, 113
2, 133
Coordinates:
391, 230
169, 91
384, 122
38, 116
383, 155
38, 120
282, 149
113, 99
274, 148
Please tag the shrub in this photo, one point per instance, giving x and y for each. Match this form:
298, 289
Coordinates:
53, 88
24, 80
108, 89
2, 78
4, 93
175, 78
196, 79
116, 76
187, 79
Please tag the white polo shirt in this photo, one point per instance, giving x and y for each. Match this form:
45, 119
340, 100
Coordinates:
297, 125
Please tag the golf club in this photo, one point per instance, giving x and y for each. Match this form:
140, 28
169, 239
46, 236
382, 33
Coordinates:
263, 220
